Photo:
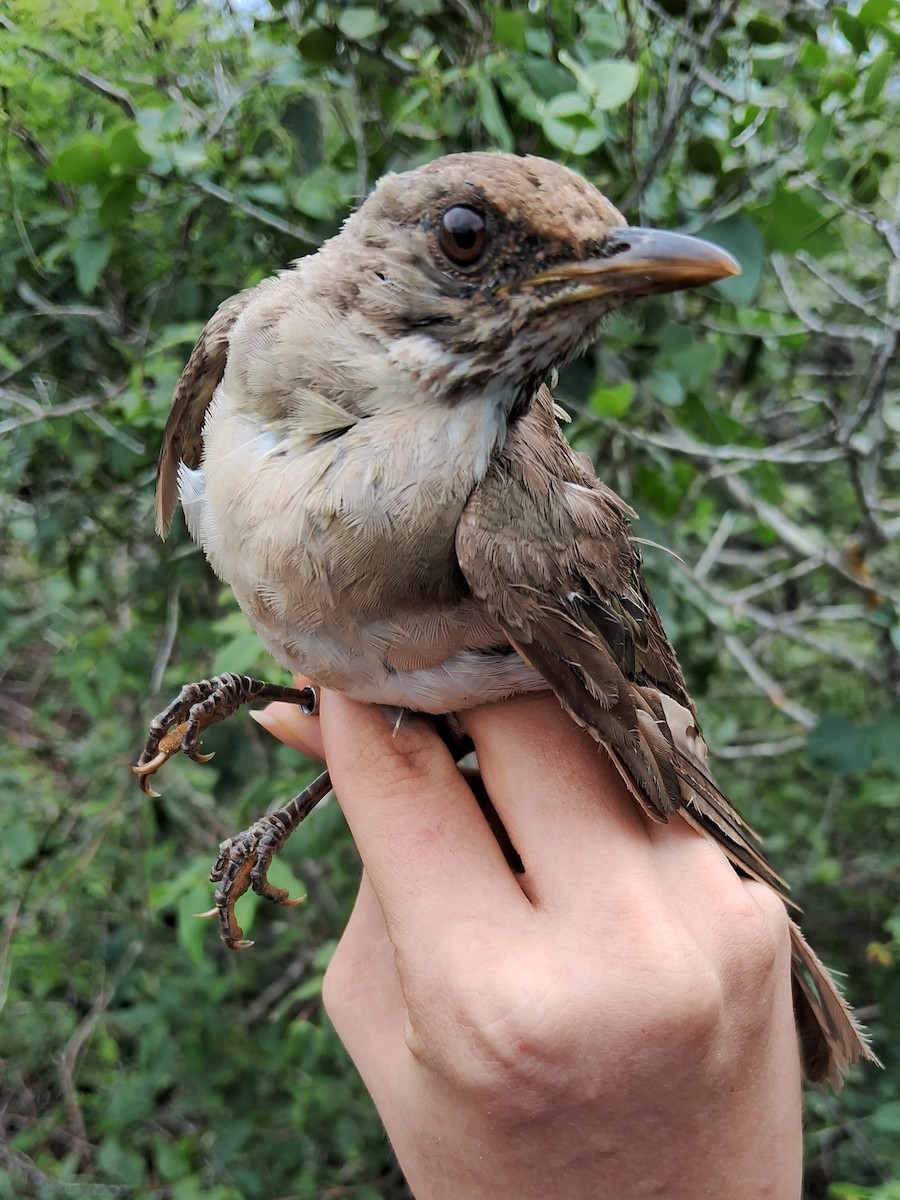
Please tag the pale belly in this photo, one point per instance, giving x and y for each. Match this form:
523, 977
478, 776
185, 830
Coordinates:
329, 556
453, 683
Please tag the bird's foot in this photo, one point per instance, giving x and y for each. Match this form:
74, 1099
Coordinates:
244, 861
199, 705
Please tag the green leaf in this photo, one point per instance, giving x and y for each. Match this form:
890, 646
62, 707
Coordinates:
741, 237
853, 30
125, 150
243, 654
567, 122
886, 740
90, 256
876, 76
609, 82
193, 934
317, 197
117, 201
9, 361
612, 401
817, 138
703, 155
84, 161
763, 30
795, 220
280, 875
695, 362
839, 746
874, 12
318, 46
886, 1117
491, 115
19, 844
813, 56
358, 24
509, 28
666, 387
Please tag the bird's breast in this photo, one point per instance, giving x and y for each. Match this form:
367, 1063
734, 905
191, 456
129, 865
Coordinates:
341, 551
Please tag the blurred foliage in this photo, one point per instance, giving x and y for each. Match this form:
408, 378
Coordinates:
156, 157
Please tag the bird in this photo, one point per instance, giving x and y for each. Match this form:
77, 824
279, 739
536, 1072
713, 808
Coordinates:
367, 450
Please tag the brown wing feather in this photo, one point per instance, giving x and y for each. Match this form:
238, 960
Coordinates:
547, 549
182, 439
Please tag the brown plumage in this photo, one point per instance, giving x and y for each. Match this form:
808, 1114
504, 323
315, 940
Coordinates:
367, 453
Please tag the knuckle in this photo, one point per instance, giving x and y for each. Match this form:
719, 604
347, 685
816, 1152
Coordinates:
681, 1003
503, 1028
758, 937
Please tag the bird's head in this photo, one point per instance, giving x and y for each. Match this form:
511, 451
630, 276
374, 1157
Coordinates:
481, 272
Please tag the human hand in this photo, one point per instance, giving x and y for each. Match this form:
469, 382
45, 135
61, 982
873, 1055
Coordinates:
616, 1021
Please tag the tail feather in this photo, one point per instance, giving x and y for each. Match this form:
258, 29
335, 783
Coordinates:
831, 1038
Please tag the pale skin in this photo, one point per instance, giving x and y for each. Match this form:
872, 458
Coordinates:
614, 1022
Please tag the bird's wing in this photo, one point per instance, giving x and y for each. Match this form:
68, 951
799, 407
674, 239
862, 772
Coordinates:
547, 549
182, 439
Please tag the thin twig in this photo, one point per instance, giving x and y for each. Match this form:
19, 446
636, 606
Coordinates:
889, 230
715, 545
767, 685
677, 105
844, 290
168, 640
812, 321
42, 413
774, 749
254, 211
80, 1036
94, 82
796, 450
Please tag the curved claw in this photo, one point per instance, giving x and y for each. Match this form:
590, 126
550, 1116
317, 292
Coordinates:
200, 758
208, 915
151, 767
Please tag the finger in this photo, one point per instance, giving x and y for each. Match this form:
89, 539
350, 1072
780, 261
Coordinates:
427, 849
361, 991
566, 809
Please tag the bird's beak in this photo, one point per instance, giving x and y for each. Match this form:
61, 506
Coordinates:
639, 262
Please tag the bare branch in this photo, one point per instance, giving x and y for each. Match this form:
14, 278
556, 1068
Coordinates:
845, 291
796, 450
767, 685
168, 640
39, 412
793, 535
889, 230
778, 579
254, 211
76, 1042
677, 104
774, 749
715, 545
813, 321
101, 86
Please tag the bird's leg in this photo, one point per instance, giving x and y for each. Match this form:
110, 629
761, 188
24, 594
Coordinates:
199, 705
244, 860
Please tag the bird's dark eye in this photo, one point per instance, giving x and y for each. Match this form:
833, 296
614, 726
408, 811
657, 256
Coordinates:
462, 235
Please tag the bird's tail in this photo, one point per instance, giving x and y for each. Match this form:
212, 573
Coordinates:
831, 1038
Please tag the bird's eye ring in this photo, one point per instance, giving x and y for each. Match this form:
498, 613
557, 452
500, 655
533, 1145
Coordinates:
462, 235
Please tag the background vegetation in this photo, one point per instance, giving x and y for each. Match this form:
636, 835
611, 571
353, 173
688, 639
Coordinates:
156, 157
